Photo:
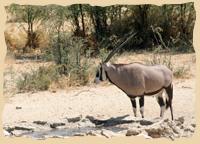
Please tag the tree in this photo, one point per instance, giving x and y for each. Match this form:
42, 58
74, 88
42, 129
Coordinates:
99, 19
30, 15
57, 15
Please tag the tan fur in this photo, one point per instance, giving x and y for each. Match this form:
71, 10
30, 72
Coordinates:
136, 79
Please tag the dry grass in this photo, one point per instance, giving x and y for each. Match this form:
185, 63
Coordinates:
179, 71
38, 80
16, 37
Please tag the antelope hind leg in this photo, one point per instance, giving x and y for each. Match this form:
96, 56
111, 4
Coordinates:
169, 91
162, 104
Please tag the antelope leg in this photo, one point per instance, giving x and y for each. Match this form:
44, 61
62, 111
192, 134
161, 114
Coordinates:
133, 102
141, 102
169, 91
162, 104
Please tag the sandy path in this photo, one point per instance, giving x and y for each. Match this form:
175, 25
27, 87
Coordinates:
97, 101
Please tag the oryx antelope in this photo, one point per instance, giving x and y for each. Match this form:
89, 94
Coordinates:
139, 80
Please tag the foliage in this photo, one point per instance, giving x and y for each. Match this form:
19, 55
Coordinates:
170, 26
68, 55
30, 15
38, 80
161, 59
178, 71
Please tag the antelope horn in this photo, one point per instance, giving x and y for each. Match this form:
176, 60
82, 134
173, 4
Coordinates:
119, 47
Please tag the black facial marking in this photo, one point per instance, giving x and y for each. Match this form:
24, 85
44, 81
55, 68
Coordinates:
101, 78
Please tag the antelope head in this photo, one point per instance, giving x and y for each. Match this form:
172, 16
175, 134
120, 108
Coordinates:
101, 70
100, 74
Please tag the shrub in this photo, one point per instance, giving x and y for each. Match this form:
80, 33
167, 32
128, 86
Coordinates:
48, 55
79, 75
38, 79
161, 59
68, 52
178, 71
181, 72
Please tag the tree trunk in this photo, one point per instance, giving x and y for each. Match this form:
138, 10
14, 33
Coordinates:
82, 19
183, 28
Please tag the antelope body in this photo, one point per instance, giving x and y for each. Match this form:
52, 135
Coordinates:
139, 80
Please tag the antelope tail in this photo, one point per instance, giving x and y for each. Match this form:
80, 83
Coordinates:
169, 91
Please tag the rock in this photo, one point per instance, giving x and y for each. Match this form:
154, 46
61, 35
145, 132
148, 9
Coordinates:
180, 119
190, 129
176, 129
107, 133
166, 120
18, 107
181, 127
54, 136
178, 123
93, 133
19, 132
53, 91
55, 125
146, 122
95, 121
74, 119
79, 134
6, 133
40, 122
154, 132
145, 135
9, 129
27, 128
133, 132
171, 137
86, 123
193, 125
113, 121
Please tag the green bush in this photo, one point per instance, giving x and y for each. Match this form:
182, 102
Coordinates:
68, 55
38, 80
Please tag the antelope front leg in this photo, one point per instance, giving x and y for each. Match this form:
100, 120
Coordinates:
141, 102
133, 102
